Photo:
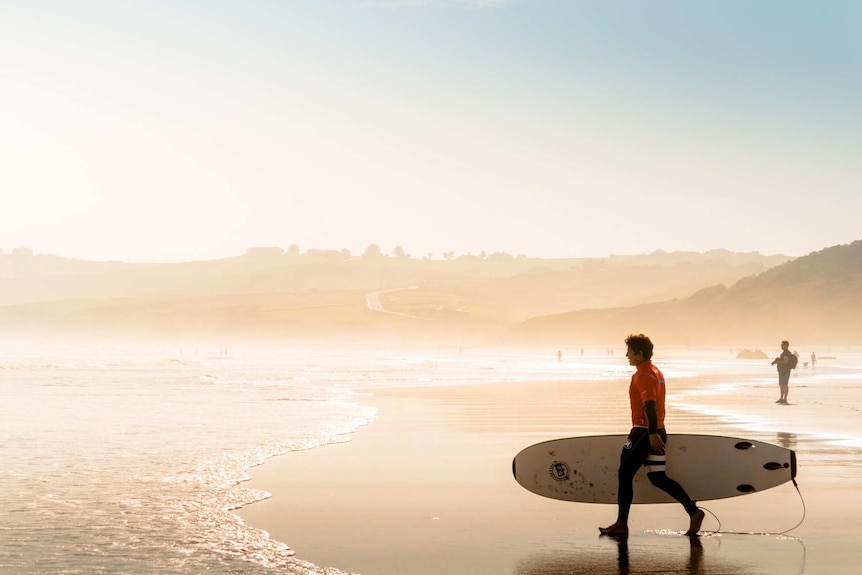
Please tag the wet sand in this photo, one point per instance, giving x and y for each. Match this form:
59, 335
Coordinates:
428, 489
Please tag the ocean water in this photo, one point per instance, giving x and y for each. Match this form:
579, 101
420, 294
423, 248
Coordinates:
131, 459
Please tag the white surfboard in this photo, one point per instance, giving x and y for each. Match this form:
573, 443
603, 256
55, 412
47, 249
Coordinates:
584, 469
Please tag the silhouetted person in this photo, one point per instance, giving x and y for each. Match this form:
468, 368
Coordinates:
784, 365
813, 359
645, 445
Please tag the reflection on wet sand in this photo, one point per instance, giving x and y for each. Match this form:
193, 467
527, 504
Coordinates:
675, 556
786, 440
692, 566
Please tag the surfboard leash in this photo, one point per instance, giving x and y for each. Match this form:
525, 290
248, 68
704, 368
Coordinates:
786, 531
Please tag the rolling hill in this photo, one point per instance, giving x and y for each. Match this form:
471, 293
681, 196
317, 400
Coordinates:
816, 298
321, 295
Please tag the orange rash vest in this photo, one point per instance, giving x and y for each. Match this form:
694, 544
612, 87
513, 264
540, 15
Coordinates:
647, 384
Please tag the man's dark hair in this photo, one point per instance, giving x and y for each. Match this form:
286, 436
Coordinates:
640, 343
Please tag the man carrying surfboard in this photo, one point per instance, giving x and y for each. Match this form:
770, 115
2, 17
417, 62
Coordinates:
646, 440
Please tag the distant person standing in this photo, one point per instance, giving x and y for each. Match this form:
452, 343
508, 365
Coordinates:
646, 440
784, 363
559, 355
813, 359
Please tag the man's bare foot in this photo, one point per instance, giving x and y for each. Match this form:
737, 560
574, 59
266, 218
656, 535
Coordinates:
616, 530
696, 522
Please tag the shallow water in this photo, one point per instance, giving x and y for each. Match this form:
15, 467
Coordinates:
128, 459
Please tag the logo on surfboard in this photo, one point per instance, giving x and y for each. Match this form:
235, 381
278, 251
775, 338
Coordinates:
560, 470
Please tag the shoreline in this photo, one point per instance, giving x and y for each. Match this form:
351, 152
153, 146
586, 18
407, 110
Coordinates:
426, 488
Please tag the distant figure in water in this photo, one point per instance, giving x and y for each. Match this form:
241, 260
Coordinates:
813, 360
559, 355
784, 364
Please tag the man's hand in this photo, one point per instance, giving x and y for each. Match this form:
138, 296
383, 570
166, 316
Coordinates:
656, 443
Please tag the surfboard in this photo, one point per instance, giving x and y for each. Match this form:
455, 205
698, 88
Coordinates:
584, 469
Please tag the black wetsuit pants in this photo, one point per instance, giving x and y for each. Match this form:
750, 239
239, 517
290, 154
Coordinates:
637, 452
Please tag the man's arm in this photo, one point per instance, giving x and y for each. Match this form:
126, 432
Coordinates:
651, 412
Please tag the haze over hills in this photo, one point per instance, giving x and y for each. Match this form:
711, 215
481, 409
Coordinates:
324, 295
29, 278
814, 299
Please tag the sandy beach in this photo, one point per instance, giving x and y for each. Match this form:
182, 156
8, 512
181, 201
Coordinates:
427, 489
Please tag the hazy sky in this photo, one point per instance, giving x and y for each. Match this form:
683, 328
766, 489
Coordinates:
168, 130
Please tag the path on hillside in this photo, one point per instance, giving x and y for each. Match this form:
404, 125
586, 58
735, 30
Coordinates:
372, 300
